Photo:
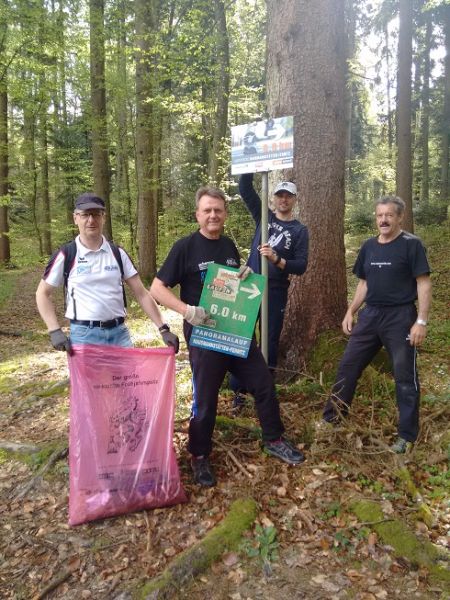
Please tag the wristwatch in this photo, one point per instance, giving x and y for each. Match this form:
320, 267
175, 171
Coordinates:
163, 327
421, 322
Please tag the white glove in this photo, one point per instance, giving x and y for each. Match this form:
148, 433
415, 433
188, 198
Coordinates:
244, 272
196, 315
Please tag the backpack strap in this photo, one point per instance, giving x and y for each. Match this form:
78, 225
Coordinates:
116, 251
70, 251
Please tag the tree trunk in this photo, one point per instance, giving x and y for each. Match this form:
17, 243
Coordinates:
147, 231
222, 93
425, 120
100, 159
404, 156
306, 78
5, 254
45, 192
444, 196
390, 132
29, 156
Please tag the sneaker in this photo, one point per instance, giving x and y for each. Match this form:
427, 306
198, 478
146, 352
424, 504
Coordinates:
238, 403
401, 446
203, 474
285, 451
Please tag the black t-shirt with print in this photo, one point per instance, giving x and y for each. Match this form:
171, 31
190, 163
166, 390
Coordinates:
391, 269
188, 260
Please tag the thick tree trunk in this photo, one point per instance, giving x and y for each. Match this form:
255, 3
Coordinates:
404, 155
147, 231
100, 158
5, 254
222, 93
306, 78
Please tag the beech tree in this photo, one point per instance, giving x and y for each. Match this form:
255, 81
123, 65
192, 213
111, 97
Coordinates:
306, 71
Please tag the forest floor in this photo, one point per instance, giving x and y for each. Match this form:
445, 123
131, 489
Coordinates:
307, 542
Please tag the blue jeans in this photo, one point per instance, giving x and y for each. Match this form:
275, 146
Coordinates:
116, 336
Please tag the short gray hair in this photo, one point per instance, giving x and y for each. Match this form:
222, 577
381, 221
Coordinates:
399, 204
208, 190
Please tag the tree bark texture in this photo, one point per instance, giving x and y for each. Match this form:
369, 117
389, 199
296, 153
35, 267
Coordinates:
5, 253
306, 78
425, 120
444, 192
404, 106
100, 158
222, 92
146, 135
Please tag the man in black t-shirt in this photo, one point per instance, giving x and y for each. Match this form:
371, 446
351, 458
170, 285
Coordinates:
393, 273
186, 266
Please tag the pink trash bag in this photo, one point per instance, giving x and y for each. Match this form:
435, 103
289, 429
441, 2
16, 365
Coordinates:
121, 455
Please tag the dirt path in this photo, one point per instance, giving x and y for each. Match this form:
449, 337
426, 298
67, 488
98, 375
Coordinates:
320, 552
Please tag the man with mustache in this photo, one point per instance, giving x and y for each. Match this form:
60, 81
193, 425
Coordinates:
393, 273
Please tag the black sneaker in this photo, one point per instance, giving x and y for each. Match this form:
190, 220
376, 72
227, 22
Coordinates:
203, 474
238, 403
285, 451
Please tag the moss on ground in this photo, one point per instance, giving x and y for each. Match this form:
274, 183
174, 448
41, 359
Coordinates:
224, 537
405, 544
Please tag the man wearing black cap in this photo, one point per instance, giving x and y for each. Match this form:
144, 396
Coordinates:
95, 302
286, 251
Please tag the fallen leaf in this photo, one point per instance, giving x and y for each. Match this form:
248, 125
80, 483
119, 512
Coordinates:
230, 559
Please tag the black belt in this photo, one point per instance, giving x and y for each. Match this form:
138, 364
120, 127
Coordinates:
102, 324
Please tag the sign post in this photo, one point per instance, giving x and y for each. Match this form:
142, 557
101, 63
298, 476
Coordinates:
233, 307
260, 147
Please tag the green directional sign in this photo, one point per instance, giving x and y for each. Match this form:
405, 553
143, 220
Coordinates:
233, 306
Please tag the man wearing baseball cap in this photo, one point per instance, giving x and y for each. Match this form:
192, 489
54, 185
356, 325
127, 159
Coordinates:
93, 270
286, 251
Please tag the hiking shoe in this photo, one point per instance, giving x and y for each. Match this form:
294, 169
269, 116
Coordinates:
401, 446
285, 451
238, 403
203, 474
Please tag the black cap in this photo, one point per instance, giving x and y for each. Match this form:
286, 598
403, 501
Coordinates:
89, 200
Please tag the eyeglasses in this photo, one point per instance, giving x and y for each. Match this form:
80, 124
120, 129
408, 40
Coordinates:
86, 214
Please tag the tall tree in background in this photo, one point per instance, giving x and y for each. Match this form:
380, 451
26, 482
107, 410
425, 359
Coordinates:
404, 155
100, 159
146, 17
5, 254
444, 196
222, 92
306, 78
425, 117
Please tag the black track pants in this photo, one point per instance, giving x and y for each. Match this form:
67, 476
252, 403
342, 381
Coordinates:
208, 372
377, 327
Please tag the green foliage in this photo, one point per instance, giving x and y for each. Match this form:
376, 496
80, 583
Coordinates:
264, 545
334, 510
7, 285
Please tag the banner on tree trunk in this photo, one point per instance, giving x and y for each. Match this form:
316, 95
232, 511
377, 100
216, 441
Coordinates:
121, 454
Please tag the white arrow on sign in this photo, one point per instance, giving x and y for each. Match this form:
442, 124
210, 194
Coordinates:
253, 291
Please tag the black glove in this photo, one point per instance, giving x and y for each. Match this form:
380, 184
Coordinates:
169, 338
60, 341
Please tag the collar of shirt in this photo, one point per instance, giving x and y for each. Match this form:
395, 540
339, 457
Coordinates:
82, 250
